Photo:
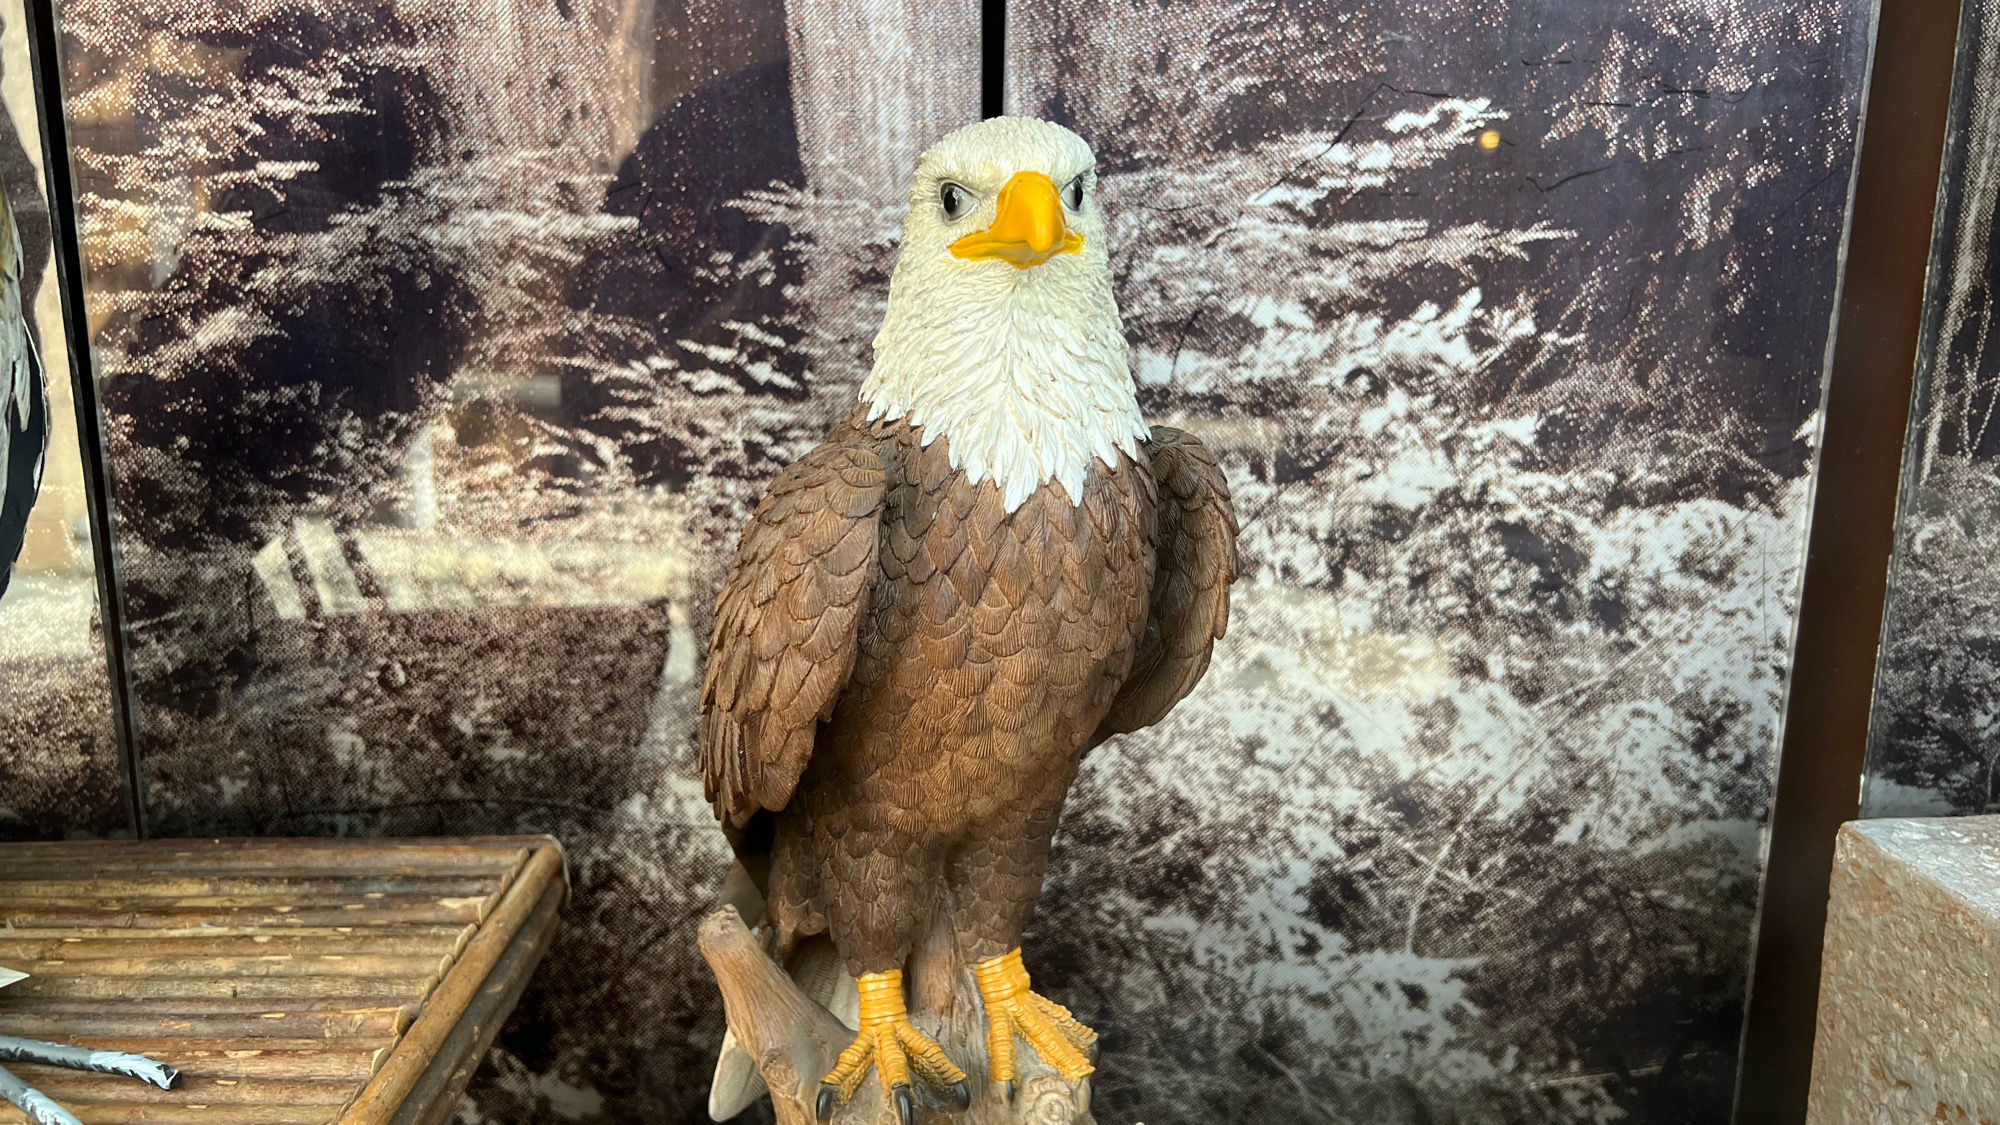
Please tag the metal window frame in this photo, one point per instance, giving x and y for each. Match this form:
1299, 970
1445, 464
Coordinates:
1866, 405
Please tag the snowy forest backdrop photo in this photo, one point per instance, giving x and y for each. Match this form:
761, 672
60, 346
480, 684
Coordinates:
1512, 323
444, 344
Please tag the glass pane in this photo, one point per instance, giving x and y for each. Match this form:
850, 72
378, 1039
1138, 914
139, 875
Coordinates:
1934, 735
444, 348
59, 766
1510, 319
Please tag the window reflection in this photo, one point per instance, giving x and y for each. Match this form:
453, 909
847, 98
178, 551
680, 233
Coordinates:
59, 772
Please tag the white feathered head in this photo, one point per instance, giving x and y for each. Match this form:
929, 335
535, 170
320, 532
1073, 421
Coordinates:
1001, 335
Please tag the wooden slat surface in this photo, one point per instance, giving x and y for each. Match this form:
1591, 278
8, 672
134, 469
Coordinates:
292, 981
386, 1091
77, 945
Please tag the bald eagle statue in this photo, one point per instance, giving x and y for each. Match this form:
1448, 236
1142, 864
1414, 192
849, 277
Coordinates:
990, 567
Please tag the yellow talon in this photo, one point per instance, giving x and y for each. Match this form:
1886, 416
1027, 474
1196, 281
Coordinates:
890, 1043
1013, 1009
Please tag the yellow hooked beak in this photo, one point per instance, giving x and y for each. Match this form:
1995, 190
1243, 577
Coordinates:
1028, 229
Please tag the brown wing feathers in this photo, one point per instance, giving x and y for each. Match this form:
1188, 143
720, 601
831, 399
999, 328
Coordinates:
785, 626
784, 639
1195, 546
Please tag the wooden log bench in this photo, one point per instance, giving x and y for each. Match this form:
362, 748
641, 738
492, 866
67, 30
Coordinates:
292, 982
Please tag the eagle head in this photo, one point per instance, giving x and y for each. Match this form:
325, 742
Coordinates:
1001, 333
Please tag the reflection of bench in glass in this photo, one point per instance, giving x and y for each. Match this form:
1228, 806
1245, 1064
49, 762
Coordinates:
289, 980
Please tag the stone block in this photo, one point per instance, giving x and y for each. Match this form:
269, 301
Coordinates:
1910, 986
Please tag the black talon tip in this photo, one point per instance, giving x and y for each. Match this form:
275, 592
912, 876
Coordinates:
906, 1106
960, 1093
1012, 1089
823, 1107
1093, 1051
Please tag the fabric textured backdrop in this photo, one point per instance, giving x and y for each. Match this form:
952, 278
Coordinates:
1512, 322
445, 343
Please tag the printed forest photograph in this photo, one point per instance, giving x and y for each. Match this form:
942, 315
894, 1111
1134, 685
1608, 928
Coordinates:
1155, 562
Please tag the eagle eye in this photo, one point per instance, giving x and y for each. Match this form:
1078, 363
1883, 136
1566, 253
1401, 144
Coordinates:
1072, 193
954, 199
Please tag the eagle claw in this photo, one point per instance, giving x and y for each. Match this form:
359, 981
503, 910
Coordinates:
1012, 1008
889, 1044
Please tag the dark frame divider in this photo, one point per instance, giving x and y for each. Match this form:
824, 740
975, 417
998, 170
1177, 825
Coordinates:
1866, 408
992, 58
44, 44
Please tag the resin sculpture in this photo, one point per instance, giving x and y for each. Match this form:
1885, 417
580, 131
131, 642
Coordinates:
990, 567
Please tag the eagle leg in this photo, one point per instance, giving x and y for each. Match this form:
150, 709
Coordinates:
893, 1046
1013, 1008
